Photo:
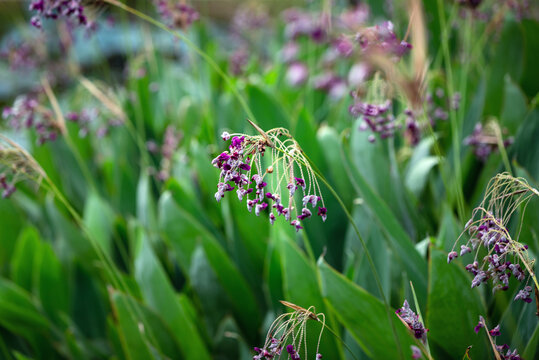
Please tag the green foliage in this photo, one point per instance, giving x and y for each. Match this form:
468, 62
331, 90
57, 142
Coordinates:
109, 258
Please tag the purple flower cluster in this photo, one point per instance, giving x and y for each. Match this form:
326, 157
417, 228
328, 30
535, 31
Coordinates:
382, 39
484, 142
436, 110
72, 10
412, 321
86, 117
274, 349
24, 114
235, 165
377, 118
20, 56
525, 294
171, 141
292, 352
8, 188
174, 14
509, 355
497, 266
301, 23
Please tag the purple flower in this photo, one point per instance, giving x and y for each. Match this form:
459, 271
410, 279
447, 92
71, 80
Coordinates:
296, 224
297, 74
525, 294
322, 212
412, 320
175, 14
452, 255
483, 141
416, 352
71, 10
495, 331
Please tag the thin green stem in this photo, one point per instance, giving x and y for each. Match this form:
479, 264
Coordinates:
455, 127
341, 340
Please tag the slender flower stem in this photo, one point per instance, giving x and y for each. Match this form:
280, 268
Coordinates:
455, 127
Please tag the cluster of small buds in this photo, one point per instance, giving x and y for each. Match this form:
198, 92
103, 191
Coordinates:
302, 23
86, 117
174, 14
72, 10
8, 188
25, 113
437, 109
484, 141
170, 144
245, 153
416, 352
297, 74
382, 39
525, 294
20, 56
500, 349
411, 319
377, 118
273, 349
489, 233
290, 328
238, 61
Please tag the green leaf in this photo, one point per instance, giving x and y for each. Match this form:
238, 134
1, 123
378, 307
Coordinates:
99, 220
27, 249
145, 203
17, 311
131, 332
364, 316
530, 352
399, 241
269, 114
452, 304
417, 177
161, 298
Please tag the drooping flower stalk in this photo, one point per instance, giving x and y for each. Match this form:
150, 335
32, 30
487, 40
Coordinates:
487, 229
272, 184
287, 334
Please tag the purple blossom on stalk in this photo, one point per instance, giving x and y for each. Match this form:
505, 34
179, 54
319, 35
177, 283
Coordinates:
382, 39
411, 319
525, 294
26, 112
416, 352
8, 188
71, 10
484, 141
297, 74
238, 61
505, 257
500, 349
176, 14
376, 118
241, 169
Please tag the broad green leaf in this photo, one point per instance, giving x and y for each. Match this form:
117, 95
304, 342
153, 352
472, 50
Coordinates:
418, 174
52, 284
530, 352
452, 304
134, 342
161, 298
145, 203
27, 250
399, 241
364, 316
99, 220
17, 311
269, 114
